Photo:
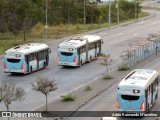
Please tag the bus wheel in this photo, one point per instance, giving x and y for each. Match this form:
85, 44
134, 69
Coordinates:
30, 69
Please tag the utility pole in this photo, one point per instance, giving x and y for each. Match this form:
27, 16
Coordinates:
109, 15
135, 9
46, 26
117, 6
84, 17
154, 7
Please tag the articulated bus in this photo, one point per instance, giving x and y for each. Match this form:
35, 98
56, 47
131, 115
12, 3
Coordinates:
79, 50
26, 58
137, 91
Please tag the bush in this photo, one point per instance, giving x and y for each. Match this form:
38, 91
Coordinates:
68, 98
107, 77
123, 67
88, 88
37, 30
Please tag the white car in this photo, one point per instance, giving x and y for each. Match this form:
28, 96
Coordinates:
108, 118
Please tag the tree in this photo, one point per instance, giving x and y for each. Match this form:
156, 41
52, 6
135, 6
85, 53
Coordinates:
105, 60
9, 93
44, 86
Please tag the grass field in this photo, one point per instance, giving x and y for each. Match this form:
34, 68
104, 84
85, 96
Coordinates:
37, 33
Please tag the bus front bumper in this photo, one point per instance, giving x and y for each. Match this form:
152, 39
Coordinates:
13, 71
67, 64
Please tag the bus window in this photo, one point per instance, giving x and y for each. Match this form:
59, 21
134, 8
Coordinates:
78, 51
66, 53
129, 97
13, 60
26, 59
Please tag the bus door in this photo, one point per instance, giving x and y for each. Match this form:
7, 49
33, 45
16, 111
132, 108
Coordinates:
100, 46
27, 62
146, 96
78, 52
95, 49
47, 56
37, 56
87, 49
152, 93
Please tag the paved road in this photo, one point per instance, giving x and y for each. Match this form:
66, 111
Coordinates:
151, 3
106, 100
67, 79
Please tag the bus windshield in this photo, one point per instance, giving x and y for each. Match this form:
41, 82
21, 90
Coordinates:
13, 60
129, 97
67, 53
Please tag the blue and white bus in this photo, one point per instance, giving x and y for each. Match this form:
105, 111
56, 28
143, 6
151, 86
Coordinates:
79, 50
137, 91
26, 58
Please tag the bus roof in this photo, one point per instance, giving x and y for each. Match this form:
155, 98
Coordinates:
80, 40
139, 77
27, 48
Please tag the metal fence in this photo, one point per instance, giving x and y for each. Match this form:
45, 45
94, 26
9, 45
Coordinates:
141, 51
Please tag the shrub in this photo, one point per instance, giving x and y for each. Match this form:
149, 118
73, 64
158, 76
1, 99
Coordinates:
38, 30
68, 98
123, 67
107, 77
88, 88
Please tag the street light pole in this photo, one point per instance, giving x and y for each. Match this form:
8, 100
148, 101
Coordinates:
117, 6
135, 10
109, 15
154, 8
84, 17
46, 26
